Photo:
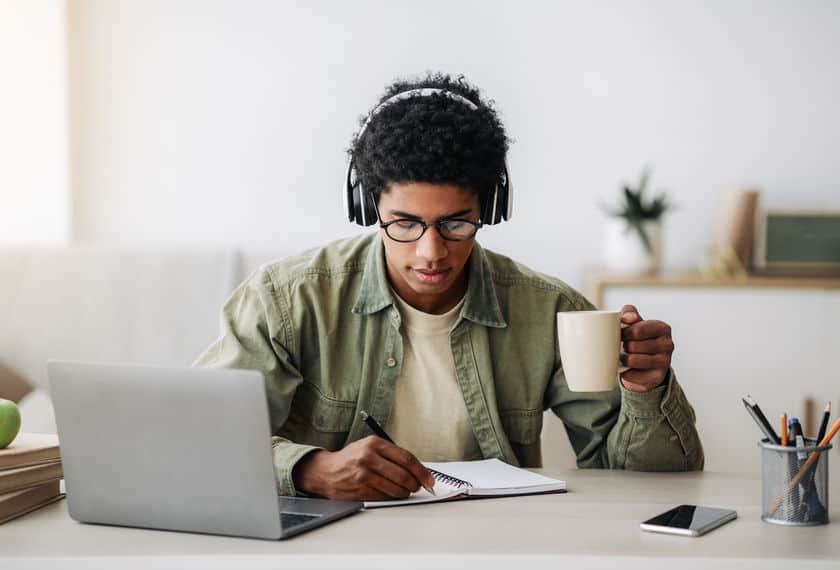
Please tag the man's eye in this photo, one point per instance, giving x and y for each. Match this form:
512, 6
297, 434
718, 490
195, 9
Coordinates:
406, 224
454, 225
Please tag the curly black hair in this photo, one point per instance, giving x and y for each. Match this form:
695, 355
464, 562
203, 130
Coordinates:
434, 139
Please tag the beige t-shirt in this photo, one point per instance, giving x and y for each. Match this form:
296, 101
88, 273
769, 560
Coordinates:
429, 417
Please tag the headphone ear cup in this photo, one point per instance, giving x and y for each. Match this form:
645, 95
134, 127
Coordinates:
501, 202
370, 214
503, 196
505, 190
486, 207
350, 189
491, 213
364, 210
497, 205
358, 210
359, 204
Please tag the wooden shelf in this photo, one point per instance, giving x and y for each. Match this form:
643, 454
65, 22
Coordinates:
596, 280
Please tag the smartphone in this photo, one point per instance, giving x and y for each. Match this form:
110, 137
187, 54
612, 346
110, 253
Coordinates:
689, 520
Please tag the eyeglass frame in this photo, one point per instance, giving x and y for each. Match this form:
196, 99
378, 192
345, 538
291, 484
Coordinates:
437, 225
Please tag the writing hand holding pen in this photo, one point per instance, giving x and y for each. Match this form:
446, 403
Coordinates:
370, 469
377, 429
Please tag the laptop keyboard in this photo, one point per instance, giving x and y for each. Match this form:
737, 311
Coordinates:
289, 520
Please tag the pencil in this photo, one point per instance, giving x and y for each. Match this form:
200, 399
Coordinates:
784, 430
807, 465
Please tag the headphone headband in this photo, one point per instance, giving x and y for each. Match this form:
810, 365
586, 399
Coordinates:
410, 94
359, 204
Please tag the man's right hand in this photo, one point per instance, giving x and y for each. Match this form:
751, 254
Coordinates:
370, 469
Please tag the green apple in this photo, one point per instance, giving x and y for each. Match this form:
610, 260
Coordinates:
9, 422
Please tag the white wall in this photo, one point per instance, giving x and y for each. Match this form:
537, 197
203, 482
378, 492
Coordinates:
34, 188
226, 122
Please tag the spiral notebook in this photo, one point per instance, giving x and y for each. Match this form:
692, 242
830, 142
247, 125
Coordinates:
485, 478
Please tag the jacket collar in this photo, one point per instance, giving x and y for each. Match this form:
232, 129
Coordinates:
375, 293
480, 304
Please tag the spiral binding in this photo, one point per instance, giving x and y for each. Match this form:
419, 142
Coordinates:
449, 479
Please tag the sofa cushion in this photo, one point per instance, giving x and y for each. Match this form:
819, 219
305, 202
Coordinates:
105, 304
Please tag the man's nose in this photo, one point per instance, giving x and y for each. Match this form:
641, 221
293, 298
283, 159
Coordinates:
431, 246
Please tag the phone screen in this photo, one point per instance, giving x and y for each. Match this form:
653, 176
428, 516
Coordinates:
691, 517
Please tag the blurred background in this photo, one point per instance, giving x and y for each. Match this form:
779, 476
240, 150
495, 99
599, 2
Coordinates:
153, 152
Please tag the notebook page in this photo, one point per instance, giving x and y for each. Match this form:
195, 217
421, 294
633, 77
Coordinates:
442, 493
494, 474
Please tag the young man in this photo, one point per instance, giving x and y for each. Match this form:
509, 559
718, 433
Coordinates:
450, 346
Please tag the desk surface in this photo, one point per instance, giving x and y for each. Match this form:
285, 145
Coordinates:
596, 522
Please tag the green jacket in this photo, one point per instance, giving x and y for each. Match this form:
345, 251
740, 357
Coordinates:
323, 329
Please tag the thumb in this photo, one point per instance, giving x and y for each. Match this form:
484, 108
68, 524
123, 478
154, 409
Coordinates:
630, 314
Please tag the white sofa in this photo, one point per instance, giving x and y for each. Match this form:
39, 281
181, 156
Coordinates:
104, 304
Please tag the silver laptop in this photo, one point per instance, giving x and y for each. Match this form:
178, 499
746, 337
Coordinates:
185, 449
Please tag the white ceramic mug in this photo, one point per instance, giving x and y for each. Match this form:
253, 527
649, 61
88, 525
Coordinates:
590, 342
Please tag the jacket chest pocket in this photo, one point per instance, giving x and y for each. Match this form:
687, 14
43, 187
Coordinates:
522, 426
523, 429
315, 419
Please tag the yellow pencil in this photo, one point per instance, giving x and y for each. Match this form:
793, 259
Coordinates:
784, 430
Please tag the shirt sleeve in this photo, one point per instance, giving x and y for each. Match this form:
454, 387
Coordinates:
622, 429
254, 335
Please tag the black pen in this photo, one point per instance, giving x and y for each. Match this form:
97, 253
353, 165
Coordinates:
759, 418
824, 423
377, 429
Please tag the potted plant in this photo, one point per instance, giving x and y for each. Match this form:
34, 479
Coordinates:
633, 240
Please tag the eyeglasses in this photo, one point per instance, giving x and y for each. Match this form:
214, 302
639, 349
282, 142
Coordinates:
406, 230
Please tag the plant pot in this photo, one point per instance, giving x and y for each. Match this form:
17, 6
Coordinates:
625, 250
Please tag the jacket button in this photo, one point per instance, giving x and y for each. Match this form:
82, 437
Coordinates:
391, 362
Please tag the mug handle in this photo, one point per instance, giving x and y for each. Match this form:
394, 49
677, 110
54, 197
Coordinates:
621, 368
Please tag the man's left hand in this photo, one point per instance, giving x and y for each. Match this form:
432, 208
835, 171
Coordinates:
647, 351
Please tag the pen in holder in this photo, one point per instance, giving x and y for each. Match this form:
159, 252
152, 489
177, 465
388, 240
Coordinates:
794, 483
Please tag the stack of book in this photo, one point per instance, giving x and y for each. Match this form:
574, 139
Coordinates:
30, 474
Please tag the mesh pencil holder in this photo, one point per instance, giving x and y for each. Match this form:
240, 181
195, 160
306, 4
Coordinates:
794, 483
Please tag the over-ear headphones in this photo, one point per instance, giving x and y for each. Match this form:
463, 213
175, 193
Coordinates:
495, 207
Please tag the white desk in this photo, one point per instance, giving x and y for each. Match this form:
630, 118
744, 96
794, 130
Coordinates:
594, 525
